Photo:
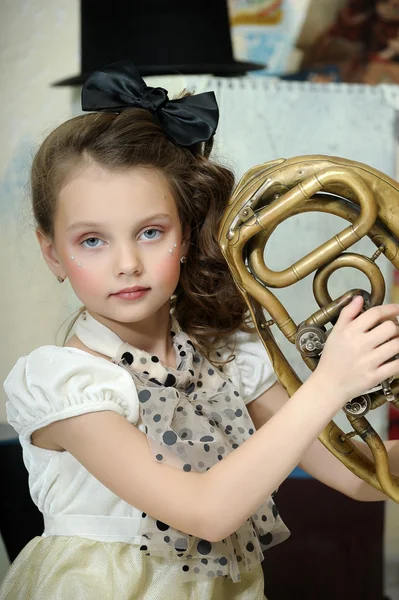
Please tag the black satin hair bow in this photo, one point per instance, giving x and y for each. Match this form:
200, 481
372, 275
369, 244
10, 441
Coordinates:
119, 86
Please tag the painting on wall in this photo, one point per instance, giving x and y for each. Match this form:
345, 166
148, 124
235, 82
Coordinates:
265, 31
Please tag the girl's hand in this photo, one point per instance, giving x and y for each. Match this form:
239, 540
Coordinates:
355, 354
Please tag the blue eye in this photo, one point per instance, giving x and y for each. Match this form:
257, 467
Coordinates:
91, 242
151, 234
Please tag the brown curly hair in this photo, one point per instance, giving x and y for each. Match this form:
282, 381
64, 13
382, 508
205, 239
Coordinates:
207, 304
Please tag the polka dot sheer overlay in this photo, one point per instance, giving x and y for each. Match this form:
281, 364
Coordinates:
194, 417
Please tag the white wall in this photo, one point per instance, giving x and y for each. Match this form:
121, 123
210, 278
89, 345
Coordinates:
39, 43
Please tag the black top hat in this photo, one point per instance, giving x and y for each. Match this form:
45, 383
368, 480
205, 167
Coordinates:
161, 37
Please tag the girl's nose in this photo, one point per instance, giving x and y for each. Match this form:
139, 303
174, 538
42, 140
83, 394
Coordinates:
128, 261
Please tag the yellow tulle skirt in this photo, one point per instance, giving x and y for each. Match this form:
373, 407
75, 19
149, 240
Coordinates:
66, 568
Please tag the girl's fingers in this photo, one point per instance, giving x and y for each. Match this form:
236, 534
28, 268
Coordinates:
386, 352
382, 333
388, 370
351, 311
376, 315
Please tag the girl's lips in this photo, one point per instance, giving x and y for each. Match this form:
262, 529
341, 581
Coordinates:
134, 294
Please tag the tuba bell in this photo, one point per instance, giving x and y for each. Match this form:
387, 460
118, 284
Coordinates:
266, 196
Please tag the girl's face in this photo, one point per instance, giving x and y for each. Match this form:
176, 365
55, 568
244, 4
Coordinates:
118, 238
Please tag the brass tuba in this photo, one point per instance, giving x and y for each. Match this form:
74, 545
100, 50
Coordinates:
266, 196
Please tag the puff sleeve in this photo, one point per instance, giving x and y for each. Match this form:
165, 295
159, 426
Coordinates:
54, 383
251, 371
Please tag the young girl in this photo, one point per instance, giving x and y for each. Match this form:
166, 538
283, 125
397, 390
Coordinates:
139, 434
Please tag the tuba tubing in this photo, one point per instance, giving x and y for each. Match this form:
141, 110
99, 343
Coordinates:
266, 196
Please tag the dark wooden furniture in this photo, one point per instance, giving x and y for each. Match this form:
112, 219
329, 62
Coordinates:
335, 551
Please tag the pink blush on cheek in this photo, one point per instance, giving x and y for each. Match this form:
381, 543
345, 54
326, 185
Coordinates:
84, 281
168, 269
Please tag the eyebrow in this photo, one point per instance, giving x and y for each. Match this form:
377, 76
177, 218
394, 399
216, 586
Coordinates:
95, 226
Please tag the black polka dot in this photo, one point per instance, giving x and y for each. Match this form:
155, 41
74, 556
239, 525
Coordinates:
127, 357
182, 353
170, 380
275, 511
250, 431
170, 438
155, 359
236, 393
187, 468
266, 539
145, 373
204, 547
206, 447
162, 399
207, 438
234, 446
157, 418
238, 412
199, 407
162, 526
143, 548
179, 409
144, 395
199, 384
166, 539
223, 560
185, 568
159, 457
264, 518
204, 561
143, 515
239, 558
210, 371
250, 547
190, 388
220, 457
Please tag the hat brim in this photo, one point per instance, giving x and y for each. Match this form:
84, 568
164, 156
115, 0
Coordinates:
221, 70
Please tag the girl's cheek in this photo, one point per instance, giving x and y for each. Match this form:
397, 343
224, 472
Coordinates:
168, 267
82, 276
